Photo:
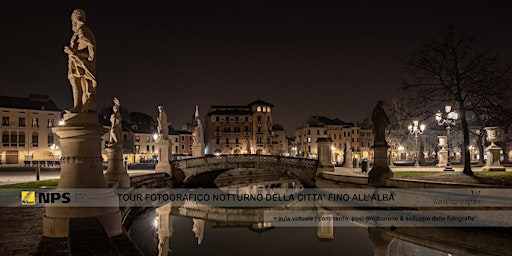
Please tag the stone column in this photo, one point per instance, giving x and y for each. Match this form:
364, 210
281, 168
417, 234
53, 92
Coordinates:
116, 173
325, 155
380, 171
380, 241
493, 151
81, 168
325, 229
165, 229
163, 154
348, 155
442, 155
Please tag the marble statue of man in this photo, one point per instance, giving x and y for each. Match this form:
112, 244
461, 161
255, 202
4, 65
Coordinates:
198, 133
380, 122
163, 124
116, 129
82, 64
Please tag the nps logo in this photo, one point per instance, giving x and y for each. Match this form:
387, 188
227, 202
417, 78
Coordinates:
29, 197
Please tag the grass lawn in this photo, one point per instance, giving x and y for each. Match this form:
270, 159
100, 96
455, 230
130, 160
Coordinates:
481, 177
33, 184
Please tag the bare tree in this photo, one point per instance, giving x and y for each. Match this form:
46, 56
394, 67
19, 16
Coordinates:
451, 69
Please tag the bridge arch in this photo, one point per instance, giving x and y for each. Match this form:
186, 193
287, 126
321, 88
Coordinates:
300, 168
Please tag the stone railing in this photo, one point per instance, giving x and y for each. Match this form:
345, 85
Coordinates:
263, 159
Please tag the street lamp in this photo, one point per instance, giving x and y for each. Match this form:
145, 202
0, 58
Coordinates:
450, 120
416, 128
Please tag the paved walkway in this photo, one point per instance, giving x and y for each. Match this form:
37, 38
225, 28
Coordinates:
21, 228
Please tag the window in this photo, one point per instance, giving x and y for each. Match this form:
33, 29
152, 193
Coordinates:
247, 119
259, 119
21, 122
190, 147
217, 119
5, 121
182, 138
50, 139
50, 123
309, 139
182, 146
258, 109
259, 129
217, 129
14, 139
148, 140
246, 129
153, 148
21, 139
176, 139
236, 140
137, 139
35, 122
227, 119
35, 140
309, 132
137, 149
237, 119
190, 138
5, 139
227, 140
317, 132
147, 148
217, 141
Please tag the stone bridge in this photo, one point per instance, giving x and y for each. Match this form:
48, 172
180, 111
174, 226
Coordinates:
300, 168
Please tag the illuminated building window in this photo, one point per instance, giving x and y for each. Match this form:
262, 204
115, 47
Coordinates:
258, 109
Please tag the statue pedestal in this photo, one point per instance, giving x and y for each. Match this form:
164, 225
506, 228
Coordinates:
493, 159
81, 168
380, 171
116, 172
442, 156
163, 154
197, 150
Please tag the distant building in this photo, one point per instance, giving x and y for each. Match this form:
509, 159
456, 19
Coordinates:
243, 130
341, 134
26, 129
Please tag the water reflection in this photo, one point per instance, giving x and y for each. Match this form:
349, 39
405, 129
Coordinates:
194, 229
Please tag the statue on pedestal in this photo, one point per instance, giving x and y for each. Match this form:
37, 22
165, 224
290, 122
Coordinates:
197, 135
380, 122
82, 65
163, 124
116, 129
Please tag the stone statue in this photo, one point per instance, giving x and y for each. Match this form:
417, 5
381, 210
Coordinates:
380, 122
116, 129
82, 64
163, 125
198, 133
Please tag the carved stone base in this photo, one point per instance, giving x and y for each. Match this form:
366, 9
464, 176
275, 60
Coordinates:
81, 168
198, 150
442, 156
163, 154
493, 159
116, 171
380, 171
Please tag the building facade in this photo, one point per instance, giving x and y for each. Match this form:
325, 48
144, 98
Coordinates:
27, 130
342, 135
243, 130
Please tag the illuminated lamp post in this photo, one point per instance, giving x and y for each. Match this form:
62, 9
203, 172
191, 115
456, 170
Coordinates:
416, 128
449, 120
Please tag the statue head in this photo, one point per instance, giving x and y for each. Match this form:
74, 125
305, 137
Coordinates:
77, 19
78, 14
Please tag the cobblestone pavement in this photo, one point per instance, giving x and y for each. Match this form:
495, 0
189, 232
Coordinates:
21, 230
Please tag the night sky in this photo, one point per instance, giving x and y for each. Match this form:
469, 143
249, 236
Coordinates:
306, 58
